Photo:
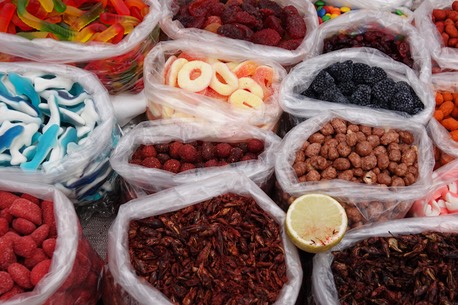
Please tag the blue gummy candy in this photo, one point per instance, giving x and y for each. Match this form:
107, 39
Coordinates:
47, 141
24, 86
8, 137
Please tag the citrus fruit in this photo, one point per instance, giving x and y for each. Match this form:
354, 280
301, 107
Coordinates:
315, 222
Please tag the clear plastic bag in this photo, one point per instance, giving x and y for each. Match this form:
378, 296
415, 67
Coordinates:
76, 268
84, 174
323, 287
119, 66
373, 202
136, 291
446, 57
302, 75
165, 101
165, 131
360, 21
175, 30
373, 5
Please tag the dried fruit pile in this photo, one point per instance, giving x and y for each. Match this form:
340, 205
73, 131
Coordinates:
441, 158
445, 21
177, 156
406, 269
259, 21
225, 250
391, 44
358, 153
447, 111
363, 85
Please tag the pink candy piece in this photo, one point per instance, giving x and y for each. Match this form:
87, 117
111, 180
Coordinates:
451, 202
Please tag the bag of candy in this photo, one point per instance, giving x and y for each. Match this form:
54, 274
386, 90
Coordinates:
357, 78
280, 31
110, 38
431, 21
378, 29
57, 127
215, 84
45, 259
157, 155
396, 262
226, 240
375, 165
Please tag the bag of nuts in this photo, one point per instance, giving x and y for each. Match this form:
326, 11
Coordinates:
145, 157
173, 92
380, 29
376, 166
438, 37
45, 257
218, 226
357, 78
402, 247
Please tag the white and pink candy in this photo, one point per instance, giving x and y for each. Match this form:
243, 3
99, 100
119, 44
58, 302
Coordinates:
443, 201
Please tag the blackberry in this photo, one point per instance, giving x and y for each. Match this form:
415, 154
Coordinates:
418, 106
378, 74
322, 82
309, 92
362, 95
334, 96
347, 88
377, 103
383, 90
362, 73
341, 71
402, 86
403, 101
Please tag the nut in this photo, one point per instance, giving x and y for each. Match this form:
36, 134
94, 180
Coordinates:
373, 140
317, 137
305, 145
339, 125
313, 150
383, 161
368, 162
313, 175
409, 179
341, 164
394, 146
363, 148
396, 181
406, 137
355, 160
333, 153
358, 172
380, 150
370, 177
343, 149
341, 138
384, 178
300, 156
346, 175
390, 137
361, 136
394, 155
332, 142
352, 128
366, 130
413, 170
352, 139
392, 166
327, 129
329, 173
409, 157
401, 170
376, 131
318, 162
300, 168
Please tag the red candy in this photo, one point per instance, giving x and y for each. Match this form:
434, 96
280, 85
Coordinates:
48, 217
26, 209
39, 271
23, 226
48, 246
24, 246
20, 275
40, 234
37, 256
7, 255
6, 282
6, 199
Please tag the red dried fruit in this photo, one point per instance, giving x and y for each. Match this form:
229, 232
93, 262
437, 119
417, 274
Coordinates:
255, 146
48, 217
12, 236
25, 246
11, 293
271, 5
198, 8
5, 214
290, 10
235, 31
208, 151
211, 163
172, 165
23, 226
174, 149
268, 37
191, 22
149, 151
4, 226
223, 150
222, 163
187, 166
162, 148
163, 158
7, 199
247, 19
26, 209
295, 26
39, 271
249, 156
188, 153
151, 162
37, 256
265, 12
48, 246
272, 22
138, 153
290, 44
7, 255
228, 15
215, 9
212, 19
235, 155
31, 198
6, 282
20, 275
40, 234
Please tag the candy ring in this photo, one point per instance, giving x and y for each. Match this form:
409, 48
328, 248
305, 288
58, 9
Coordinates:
231, 82
247, 83
246, 100
175, 67
187, 82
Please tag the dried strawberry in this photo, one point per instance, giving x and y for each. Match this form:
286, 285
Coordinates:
208, 151
211, 163
268, 37
255, 146
162, 148
149, 151
172, 165
198, 8
138, 153
290, 10
290, 44
243, 146
222, 163
215, 9
228, 15
295, 26
188, 153
266, 12
174, 149
163, 158
235, 155
223, 150
247, 19
249, 156
267, 4
234, 31
192, 22
151, 162
186, 166
272, 22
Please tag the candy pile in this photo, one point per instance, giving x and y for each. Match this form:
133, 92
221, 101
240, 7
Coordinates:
363, 85
261, 22
445, 19
447, 111
72, 20
443, 201
327, 12
43, 117
177, 156
244, 85
391, 44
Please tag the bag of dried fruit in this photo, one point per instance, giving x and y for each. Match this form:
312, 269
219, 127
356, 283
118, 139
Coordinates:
378, 29
358, 78
45, 259
405, 261
442, 196
216, 241
111, 43
161, 154
375, 165
215, 84
57, 127
280, 31
435, 20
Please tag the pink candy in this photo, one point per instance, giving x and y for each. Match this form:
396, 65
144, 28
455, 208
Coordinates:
443, 201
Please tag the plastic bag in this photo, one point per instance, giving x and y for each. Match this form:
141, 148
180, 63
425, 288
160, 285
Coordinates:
446, 57
165, 101
360, 21
165, 131
119, 66
374, 5
76, 267
174, 199
175, 30
323, 287
302, 75
373, 202
84, 174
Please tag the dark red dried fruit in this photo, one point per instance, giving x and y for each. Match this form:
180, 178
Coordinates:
211, 163
272, 22
163, 157
162, 148
223, 150
215, 9
188, 153
149, 151
235, 155
228, 16
290, 44
247, 19
172, 165
249, 156
255, 146
208, 151
295, 26
267, 4
268, 37
192, 22
290, 10
151, 162
174, 149
198, 8
235, 31
186, 166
